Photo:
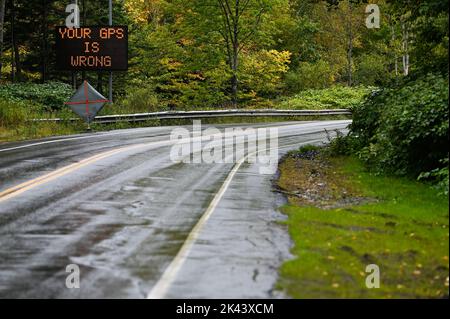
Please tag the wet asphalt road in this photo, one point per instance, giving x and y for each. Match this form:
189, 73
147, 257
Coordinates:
124, 218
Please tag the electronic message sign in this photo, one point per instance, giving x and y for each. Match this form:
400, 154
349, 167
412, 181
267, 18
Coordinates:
94, 48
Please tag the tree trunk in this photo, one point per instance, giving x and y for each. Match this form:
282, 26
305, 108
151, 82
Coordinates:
16, 70
234, 87
393, 46
235, 55
233, 37
235, 64
405, 58
350, 47
2, 23
396, 66
44, 49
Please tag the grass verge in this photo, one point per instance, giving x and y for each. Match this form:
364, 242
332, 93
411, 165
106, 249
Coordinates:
342, 218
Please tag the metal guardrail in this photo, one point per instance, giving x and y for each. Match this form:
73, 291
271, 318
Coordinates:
139, 117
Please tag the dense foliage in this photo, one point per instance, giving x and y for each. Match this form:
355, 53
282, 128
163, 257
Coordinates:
50, 95
404, 129
217, 53
335, 97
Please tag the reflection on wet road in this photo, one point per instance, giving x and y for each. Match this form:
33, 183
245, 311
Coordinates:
124, 218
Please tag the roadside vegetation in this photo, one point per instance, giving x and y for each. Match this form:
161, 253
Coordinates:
20, 103
403, 130
335, 97
289, 54
342, 218
378, 195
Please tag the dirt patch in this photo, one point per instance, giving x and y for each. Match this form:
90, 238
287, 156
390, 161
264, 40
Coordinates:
308, 179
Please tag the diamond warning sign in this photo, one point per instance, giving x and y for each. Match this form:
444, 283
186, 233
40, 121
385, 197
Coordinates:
87, 102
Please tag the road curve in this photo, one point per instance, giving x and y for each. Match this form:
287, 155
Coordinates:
137, 224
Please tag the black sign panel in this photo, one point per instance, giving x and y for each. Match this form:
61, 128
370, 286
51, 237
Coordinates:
92, 48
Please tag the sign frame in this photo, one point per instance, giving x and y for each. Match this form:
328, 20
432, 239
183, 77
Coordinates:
62, 55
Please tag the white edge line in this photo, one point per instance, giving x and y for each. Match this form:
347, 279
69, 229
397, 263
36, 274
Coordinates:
98, 135
160, 289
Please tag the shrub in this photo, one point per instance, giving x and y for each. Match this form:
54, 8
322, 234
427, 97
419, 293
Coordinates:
308, 148
13, 113
371, 69
404, 129
308, 151
140, 100
335, 97
317, 75
51, 96
340, 144
439, 176
261, 71
181, 88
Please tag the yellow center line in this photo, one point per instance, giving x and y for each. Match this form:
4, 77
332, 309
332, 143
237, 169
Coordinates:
19, 189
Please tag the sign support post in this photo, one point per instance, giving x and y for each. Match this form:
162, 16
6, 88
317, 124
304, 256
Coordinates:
110, 74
